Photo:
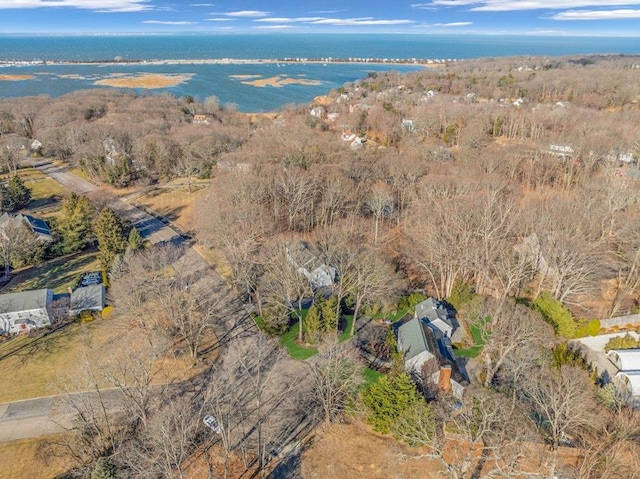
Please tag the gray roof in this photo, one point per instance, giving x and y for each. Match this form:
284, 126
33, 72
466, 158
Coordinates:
432, 310
415, 338
87, 298
23, 301
37, 225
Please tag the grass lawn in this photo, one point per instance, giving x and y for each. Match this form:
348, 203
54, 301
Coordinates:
347, 330
174, 201
290, 341
42, 364
371, 376
57, 274
28, 458
478, 342
45, 192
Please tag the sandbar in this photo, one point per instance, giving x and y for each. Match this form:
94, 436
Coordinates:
244, 77
280, 81
145, 80
16, 77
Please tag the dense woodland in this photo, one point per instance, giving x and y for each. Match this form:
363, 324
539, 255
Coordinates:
508, 186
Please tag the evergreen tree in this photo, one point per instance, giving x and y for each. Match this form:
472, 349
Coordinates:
328, 308
388, 398
135, 241
104, 469
312, 324
75, 223
111, 234
16, 195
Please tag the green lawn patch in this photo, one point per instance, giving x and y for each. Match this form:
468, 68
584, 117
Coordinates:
290, 341
370, 376
478, 342
344, 335
57, 274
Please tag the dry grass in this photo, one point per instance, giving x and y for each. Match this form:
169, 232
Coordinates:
174, 201
43, 364
26, 459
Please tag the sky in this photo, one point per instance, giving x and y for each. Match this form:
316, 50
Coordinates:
512, 17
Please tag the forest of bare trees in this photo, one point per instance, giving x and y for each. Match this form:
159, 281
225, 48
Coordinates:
506, 178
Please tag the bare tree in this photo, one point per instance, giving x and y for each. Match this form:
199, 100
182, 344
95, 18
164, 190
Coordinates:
336, 375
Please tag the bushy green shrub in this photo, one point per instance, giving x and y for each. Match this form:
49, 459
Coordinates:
386, 399
622, 342
416, 425
588, 328
555, 314
410, 301
461, 293
274, 320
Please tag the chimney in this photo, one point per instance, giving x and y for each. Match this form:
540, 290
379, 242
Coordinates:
444, 381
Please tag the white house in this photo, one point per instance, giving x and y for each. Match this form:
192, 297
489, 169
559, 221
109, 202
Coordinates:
628, 363
25, 310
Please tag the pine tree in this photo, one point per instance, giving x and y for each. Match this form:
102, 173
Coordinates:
328, 308
312, 324
17, 195
104, 469
388, 398
135, 241
75, 223
111, 234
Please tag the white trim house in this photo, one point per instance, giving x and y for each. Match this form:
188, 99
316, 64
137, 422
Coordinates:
25, 310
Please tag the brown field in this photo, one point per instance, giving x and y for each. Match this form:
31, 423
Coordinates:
279, 81
145, 80
174, 201
28, 458
16, 77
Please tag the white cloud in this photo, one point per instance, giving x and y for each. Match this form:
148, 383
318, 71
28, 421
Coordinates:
162, 22
97, 5
289, 20
452, 24
218, 19
624, 14
246, 13
273, 27
201, 5
364, 21
512, 5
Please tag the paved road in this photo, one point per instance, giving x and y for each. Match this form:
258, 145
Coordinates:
41, 416
150, 227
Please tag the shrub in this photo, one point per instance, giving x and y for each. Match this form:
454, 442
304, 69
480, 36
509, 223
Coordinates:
274, 320
386, 399
461, 294
107, 312
555, 314
622, 342
588, 328
415, 425
410, 301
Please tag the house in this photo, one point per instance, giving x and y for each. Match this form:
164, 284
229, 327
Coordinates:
37, 225
436, 315
628, 376
408, 125
319, 274
428, 356
200, 120
87, 298
318, 112
562, 151
25, 310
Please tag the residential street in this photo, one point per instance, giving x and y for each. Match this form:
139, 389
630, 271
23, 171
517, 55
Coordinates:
150, 227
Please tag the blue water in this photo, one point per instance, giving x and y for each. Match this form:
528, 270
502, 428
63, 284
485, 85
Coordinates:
217, 79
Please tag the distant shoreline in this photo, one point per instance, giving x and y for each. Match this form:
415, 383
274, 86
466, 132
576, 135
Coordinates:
235, 61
